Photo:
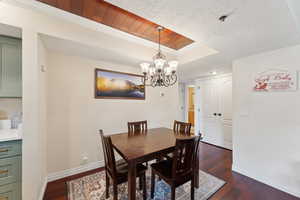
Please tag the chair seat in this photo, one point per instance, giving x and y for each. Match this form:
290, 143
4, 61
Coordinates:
122, 168
121, 162
169, 156
164, 168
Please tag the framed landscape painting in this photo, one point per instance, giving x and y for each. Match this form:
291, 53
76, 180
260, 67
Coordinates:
118, 85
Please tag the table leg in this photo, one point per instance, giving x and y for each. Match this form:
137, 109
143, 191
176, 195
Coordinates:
131, 180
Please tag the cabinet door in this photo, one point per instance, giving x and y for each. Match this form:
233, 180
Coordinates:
10, 67
10, 192
10, 148
10, 170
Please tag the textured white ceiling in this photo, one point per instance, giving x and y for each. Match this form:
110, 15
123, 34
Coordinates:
253, 26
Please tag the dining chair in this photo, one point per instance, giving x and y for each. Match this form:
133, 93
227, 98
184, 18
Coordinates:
180, 169
117, 171
138, 127
182, 127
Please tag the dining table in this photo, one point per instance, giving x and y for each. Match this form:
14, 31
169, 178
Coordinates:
147, 146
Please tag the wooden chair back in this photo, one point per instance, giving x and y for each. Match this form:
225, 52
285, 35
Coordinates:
109, 156
137, 127
182, 127
184, 158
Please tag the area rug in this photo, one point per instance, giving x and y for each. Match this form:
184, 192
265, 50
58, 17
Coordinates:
92, 187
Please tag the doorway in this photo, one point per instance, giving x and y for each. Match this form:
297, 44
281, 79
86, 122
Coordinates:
191, 106
214, 110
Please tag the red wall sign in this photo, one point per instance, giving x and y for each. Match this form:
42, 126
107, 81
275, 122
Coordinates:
276, 80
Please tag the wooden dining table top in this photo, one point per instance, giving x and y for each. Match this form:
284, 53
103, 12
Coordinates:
132, 147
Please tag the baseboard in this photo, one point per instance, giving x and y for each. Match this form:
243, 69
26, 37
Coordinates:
215, 145
266, 181
43, 189
73, 171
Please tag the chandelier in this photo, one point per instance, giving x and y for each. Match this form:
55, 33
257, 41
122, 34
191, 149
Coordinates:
160, 72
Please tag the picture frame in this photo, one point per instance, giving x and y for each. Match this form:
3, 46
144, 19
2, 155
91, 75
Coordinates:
119, 85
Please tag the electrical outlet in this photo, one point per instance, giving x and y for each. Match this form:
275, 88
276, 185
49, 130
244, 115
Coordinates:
84, 160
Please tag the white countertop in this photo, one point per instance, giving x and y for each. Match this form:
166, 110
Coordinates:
11, 134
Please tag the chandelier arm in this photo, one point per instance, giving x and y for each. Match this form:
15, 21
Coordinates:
144, 79
160, 80
163, 78
166, 80
174, 78
149, 81
154, 80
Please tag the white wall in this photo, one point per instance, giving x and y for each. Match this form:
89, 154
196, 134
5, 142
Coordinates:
75, 116
42, 136
182, 104
266, 126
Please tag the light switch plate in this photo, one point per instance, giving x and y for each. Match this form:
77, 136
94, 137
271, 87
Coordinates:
43, 68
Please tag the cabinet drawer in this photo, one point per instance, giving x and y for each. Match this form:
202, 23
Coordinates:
10, 170
8, 149
10, 192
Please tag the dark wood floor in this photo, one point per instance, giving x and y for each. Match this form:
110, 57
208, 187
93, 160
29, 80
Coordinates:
213, 160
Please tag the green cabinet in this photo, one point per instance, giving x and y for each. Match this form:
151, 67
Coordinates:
10, 148
10, 191
10, 170
10, 67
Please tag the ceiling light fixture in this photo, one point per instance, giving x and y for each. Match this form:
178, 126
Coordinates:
161, 72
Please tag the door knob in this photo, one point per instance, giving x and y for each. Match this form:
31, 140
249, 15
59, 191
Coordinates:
215, 114
220, 114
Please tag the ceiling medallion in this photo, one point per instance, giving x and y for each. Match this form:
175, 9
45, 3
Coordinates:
160, 72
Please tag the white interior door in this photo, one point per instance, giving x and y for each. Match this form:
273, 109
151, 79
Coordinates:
214, 111
209, 101
225, 112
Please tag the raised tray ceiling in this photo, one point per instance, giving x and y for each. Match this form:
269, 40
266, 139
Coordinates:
113, 16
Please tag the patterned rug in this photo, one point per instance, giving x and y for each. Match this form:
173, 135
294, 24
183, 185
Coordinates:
92, 187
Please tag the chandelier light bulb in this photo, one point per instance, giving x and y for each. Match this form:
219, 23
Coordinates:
173, 65
152, 71
159, 63
145, 67
167, 71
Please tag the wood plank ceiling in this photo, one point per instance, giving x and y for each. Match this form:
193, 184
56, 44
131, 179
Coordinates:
113, 16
